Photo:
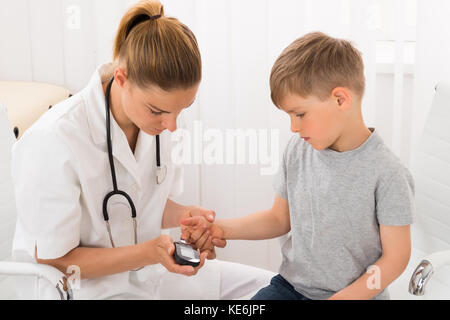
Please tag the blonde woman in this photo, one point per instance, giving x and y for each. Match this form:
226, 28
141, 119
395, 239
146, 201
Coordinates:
93, 177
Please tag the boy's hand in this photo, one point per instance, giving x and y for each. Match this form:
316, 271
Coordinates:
203, 234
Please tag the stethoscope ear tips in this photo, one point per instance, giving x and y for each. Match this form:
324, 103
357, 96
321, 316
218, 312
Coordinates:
161, 174
16, 132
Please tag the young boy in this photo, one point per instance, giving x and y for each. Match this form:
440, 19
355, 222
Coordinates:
344, 198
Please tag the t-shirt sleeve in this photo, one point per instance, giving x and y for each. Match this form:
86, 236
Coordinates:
47, 194
395, 199
280, 179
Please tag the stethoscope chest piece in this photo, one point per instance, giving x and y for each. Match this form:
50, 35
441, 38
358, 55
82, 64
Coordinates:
161, 173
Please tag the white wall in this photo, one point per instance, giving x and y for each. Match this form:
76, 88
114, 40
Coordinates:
432, 56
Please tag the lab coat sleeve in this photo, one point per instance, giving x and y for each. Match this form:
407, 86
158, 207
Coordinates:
47, 194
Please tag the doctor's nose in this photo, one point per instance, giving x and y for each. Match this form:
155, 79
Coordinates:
170, 124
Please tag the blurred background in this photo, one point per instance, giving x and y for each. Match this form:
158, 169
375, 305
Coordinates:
405, 46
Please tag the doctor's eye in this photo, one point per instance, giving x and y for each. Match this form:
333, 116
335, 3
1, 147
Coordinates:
300, 115
155, 112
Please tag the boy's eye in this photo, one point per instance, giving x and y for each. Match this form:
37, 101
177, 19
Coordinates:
300, 115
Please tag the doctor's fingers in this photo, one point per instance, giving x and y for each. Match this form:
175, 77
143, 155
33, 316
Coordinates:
169, 263
221, 243
209, 215
203, 256
185, 270
196, 222
165, 250
208, 247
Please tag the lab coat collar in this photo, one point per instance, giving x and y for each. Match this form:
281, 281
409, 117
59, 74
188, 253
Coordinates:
95, 110
95, 104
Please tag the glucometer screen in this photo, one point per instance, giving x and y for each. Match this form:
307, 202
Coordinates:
187, 252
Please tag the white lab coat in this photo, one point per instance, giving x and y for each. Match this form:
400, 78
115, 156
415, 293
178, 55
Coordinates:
61, 175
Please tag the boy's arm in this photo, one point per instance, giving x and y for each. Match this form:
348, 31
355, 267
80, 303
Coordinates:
396, 246
261, 225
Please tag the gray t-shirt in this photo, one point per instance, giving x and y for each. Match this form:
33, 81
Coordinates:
337, 200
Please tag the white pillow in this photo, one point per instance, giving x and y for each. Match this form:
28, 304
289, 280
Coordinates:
27, 101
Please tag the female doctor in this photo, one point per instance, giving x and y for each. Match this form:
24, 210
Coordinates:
93, 176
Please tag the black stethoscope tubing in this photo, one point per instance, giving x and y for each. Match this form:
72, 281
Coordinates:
116, 191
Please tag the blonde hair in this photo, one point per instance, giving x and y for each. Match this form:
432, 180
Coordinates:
157, 50
315, 64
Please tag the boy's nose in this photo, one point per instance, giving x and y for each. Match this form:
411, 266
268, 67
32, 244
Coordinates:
295, 127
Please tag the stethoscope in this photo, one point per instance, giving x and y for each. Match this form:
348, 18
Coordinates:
160, 172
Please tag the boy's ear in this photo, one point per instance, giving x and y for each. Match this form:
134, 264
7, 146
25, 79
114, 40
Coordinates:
342, 97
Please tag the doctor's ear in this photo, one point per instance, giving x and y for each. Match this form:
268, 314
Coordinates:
120, 77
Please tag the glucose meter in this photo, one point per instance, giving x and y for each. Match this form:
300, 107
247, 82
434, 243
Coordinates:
185, 254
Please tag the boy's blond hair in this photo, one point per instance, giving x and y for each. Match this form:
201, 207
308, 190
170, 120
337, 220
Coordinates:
315, 64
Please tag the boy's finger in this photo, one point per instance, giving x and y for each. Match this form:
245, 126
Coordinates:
211, 254
197, 234
202, 240
185, 234
208, 244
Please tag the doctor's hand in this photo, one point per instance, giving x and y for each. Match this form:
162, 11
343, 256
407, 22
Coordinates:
164, 249
203, 234
195, 211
